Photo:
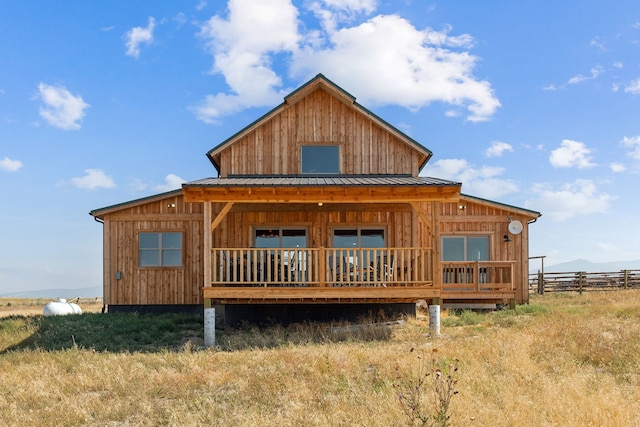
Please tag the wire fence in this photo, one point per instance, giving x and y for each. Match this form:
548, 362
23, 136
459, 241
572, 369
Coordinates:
582, 281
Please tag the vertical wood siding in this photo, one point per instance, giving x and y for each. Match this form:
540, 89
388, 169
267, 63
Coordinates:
153, 285
319, 118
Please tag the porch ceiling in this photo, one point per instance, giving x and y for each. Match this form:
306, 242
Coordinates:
334, 189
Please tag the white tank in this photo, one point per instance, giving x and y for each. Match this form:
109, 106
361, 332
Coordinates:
61, 308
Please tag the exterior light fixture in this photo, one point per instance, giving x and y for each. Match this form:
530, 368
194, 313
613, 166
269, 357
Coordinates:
320, 203
506, 238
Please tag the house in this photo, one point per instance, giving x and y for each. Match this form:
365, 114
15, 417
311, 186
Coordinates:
318, 204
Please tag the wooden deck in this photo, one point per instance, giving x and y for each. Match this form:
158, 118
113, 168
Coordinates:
263, 295
337, 275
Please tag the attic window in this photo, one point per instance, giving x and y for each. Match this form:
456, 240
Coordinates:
320, 159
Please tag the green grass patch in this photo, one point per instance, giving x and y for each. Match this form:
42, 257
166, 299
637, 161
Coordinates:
118, 332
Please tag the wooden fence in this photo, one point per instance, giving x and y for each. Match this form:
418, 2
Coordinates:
583, 282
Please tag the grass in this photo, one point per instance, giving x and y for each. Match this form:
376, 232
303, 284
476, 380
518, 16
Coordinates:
562, 360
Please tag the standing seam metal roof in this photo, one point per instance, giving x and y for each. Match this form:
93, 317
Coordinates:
313, 181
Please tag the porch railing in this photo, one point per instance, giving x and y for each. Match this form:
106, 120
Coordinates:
292, 267
479, 276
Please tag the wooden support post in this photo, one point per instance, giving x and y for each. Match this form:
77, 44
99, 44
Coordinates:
512, 303
625, 278
580, 281
540, 283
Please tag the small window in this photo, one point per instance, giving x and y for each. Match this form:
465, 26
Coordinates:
465, 248
160, 249
320, 159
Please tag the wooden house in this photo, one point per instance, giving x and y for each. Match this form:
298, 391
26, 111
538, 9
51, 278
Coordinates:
317, 203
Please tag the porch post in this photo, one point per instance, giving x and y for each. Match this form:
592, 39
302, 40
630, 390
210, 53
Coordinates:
207, 243
209, 324
434, 316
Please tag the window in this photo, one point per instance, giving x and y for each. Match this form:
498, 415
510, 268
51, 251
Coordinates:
465, 248
358, 238
160, 249
318, 159
280, 238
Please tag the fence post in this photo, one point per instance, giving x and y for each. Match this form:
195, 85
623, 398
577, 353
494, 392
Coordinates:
540, 283
581, 276
626, 278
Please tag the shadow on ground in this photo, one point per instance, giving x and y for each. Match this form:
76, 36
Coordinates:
129, 332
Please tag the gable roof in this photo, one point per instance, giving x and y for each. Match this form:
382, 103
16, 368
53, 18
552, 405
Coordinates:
522, 211
320, 81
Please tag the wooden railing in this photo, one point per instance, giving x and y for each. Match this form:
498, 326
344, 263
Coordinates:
582, 281
322, 267
479, 276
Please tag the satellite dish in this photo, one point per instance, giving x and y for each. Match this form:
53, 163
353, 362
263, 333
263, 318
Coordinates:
515, 227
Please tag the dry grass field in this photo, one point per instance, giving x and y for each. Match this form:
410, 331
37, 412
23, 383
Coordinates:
563, 360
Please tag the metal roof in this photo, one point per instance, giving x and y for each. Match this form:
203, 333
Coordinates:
320, 181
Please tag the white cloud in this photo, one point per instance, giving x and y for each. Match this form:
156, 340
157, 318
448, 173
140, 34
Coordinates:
9, 165
633, 87
384, 60
172, 182
634, 144
241, 47
571, 199
481, 181
570, 154
595, 72
617, 167
61, 109
498, 148
93, 179
138, 35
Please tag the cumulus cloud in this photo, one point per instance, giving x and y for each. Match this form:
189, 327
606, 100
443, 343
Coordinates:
93, 179
172, 182
241, 47
497, 149
571, 154
617, 167
633, 143
61, 109
139, 35
383, 60
571, 199
9, 165
483, 181
633, 87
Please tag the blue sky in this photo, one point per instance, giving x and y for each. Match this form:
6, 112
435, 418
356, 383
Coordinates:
535, 104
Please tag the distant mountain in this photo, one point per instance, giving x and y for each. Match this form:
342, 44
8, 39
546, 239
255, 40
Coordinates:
589, 267
58, 293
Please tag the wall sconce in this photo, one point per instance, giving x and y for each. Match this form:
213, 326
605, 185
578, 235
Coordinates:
171, 205
320, 203
462, 207
506, 238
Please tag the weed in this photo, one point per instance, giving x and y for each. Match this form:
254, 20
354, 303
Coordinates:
440, 381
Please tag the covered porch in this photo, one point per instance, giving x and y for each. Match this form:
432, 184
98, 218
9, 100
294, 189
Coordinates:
405, 269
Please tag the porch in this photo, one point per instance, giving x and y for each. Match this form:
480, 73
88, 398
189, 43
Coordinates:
326, 275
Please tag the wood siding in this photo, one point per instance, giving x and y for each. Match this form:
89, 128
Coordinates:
486, 219
153, 285
320, 118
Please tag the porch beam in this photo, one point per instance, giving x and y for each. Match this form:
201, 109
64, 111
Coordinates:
400, 194
423, 216
221, 215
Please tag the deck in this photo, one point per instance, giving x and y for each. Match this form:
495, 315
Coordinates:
338, 275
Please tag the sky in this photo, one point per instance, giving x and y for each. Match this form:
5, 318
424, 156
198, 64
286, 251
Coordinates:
534, 104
